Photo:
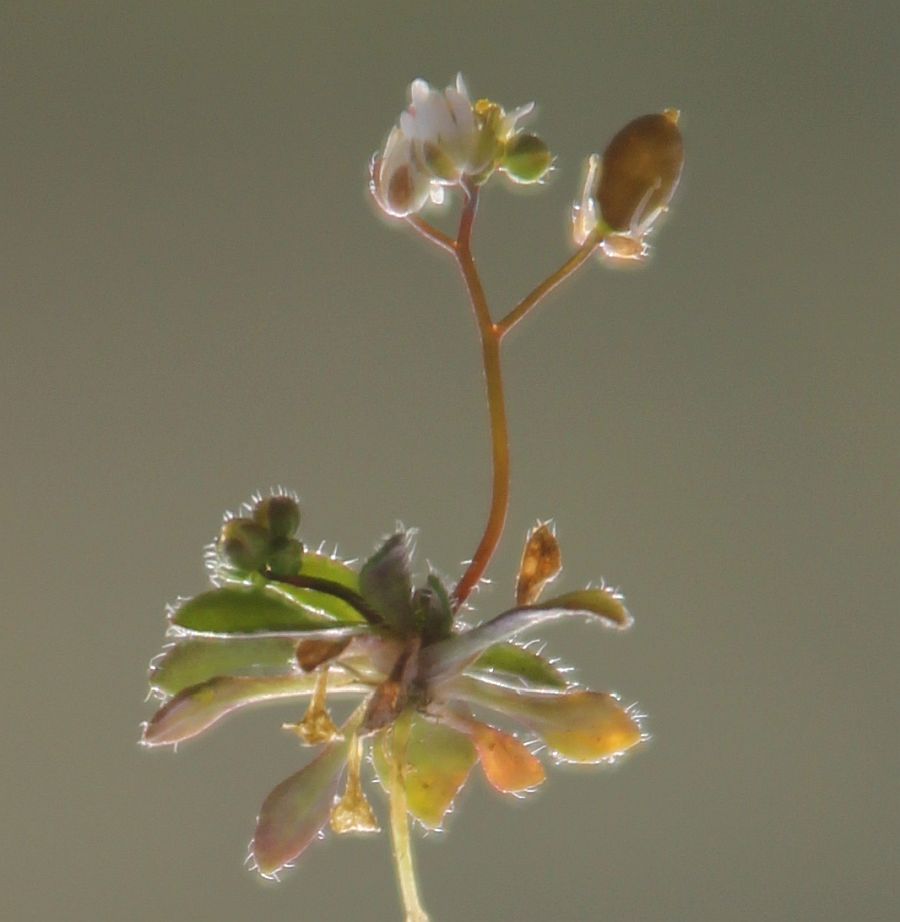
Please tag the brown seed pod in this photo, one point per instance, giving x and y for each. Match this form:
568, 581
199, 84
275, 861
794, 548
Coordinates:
641, 168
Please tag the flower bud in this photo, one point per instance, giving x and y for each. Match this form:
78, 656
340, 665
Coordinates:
526, 159
285, 557
641, 168
244, 544
279, 515
398, 182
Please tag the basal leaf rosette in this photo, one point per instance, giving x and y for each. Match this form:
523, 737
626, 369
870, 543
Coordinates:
433, 697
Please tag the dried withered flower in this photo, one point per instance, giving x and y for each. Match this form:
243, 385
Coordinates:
541, 563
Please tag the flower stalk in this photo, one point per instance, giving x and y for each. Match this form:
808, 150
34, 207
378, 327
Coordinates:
400, 838
492, 335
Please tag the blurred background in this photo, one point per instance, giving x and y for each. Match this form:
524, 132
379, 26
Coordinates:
197, 301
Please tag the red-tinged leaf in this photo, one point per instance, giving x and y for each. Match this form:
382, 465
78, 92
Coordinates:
198, 707
578, 726
438, 762
296, 811
441, 660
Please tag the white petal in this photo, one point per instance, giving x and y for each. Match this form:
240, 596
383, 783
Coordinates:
408, 123
584, 213
418, 91
461, 111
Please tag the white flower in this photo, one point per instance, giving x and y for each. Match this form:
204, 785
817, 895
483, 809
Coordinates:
443, 129
440, 140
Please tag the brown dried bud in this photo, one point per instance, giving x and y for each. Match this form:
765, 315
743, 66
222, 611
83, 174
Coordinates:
314, 652
541, 562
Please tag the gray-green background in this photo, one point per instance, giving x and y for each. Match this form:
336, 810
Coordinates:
198, 301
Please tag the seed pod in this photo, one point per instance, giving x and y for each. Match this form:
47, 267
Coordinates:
285, 557
527, 158
641, 169
244, 544
279, 515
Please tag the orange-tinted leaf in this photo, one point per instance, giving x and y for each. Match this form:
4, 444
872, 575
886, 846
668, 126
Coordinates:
507, 763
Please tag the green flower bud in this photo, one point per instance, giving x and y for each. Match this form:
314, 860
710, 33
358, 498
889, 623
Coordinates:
285, 556
526, 159
641, 169
279, 515
244, 544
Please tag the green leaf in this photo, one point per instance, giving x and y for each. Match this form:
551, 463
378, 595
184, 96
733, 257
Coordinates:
385, 581
296, 811
605, 602
578, 725
322, 566
438, 762
198, 707
318, 600
260, 610
454, 654
196, 659
510, 661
